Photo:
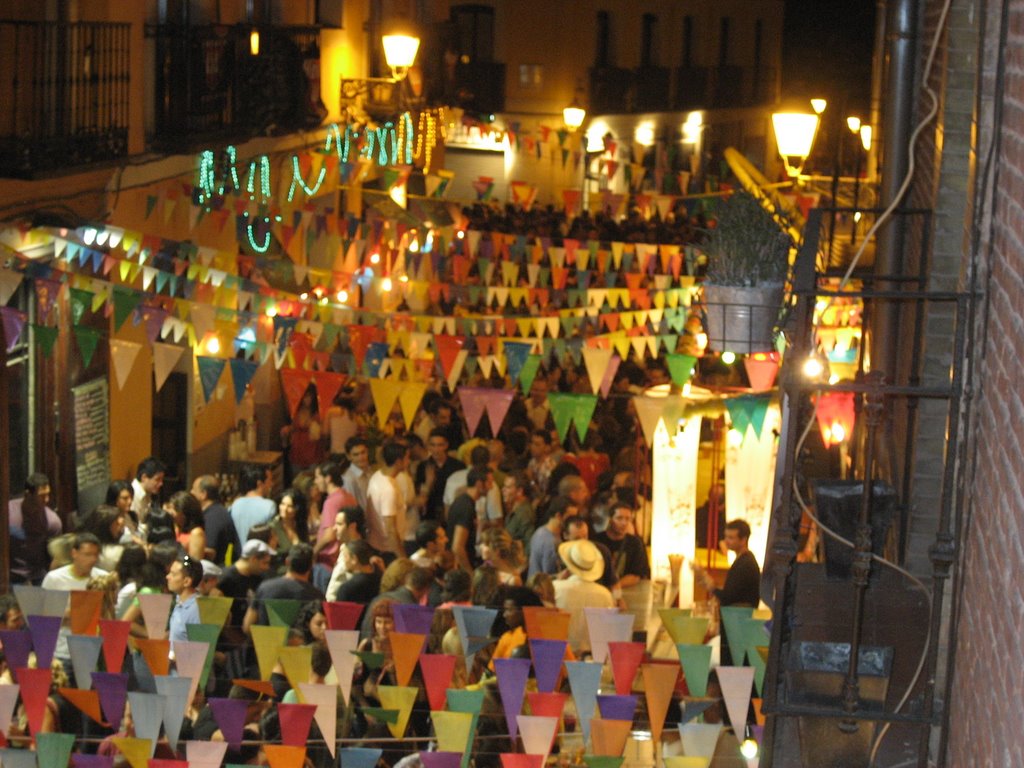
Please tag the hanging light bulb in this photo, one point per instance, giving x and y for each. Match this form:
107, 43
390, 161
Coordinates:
375, 258
748, 747
385, 284
728, 358
342, 296
212, 344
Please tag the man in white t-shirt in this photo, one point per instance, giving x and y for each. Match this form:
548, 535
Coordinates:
85, 553
385, 513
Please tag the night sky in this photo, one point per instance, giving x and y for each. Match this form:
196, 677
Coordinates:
826, 51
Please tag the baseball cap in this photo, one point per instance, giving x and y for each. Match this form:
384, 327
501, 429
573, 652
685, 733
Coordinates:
211, 570
256, 547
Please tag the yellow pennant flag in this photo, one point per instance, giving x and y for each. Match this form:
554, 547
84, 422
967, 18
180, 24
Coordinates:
267, 641
136, 751
401, 698
452, 730
385, 393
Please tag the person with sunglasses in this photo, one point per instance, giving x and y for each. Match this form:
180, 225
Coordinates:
183, 582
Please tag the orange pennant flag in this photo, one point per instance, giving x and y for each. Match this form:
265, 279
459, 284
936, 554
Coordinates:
86, 701
406, 648
608, 737
659, 683
85, 611
157, 656
546, 623
283, 756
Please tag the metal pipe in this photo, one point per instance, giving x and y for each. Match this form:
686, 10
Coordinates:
877, 69
899, 110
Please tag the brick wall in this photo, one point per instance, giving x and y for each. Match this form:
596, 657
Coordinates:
984, 720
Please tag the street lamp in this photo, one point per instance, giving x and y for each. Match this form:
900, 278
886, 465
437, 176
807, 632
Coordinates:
574, 115
794, 134
400, 50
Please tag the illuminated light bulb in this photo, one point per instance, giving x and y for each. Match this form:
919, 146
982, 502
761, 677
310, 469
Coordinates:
89, 236
838, 432
213, 345
460, 234
323, 300
856, 216
728, 358
813, 368
271, 312
735, 438
342, 296
748, 749
114, 239
385, 284
414, 246
375, 258
403, 279
304, 296
702, 341
833, 379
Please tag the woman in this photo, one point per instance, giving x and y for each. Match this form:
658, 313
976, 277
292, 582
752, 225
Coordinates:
187, 514
107, 524
378, 642
129, 576
505, 554
312, 623
120, 494
290, 525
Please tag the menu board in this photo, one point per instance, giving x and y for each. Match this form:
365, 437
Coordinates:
92, 442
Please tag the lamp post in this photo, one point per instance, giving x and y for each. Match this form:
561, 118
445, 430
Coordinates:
573, 117
794, 135
400, 48
863, 132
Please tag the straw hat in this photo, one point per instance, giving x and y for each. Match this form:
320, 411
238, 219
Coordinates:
582, 558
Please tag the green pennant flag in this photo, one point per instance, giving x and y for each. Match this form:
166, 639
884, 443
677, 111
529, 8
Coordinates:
757, 409
87, 339
45, 337
529, 371
680, 367
582, 412
210, 370
150, 204
282, 613
696, 663
54, 748
469, 702
80, 303
370, 659
379, 713
205, 633
603, 761
125, 302
562, 409
738, 414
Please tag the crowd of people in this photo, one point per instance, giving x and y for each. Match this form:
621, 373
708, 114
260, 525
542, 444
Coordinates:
380, 518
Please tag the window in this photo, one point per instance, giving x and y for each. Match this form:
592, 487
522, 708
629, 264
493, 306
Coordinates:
648, 41
688, 41
604, 40
531, 77
723, 41
474, 33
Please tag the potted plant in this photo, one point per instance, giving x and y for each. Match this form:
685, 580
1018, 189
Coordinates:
748, 261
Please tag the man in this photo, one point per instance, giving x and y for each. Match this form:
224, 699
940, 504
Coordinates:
294, 585
217, 522
629, 555
349, 525
363, 583
488, 508
85, 552
240, 581
714, 507
183, 579
576, 529
211, 575
462, 517
521, 520
356, 479
545, 540
431, 541
433, 472
385, 510
149, 479
542, 460
32, 523
742, 582
575, 488
414, 591
581, 589
252, 507
330, 480
538, 409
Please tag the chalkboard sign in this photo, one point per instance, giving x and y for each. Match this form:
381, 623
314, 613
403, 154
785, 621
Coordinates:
92, 442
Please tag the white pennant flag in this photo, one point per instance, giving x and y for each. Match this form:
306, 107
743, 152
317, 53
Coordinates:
165, 358
597, 363
122, 355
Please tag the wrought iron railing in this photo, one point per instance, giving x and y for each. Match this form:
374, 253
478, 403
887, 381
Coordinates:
854, 671
64, 94
208, 82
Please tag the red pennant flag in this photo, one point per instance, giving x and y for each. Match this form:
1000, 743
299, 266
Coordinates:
448, 348
295, 382
85, 611
342, 615
546, 704
437, 671
625, 658
295, 721
327, 387
115, 642
35, 688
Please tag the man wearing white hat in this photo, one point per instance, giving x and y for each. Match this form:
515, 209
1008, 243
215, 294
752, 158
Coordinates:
581, 590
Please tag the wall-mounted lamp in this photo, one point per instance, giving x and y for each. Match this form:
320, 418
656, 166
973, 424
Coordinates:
400, 50
794, 134
254, 42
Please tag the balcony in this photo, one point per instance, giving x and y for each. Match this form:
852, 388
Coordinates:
610, 89
480, 86
724, 87
64, 91
651, 89
208, 85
